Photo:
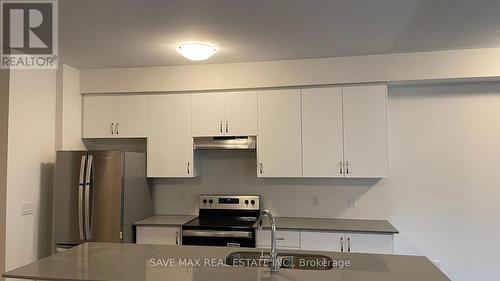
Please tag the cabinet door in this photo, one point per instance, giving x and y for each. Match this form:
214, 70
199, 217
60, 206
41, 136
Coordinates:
322, 241
279, 147
98, 116
369, 243
161, 235
208, 114
365, 131
284, 239
241, 114
131, 116
170, 145
322, 140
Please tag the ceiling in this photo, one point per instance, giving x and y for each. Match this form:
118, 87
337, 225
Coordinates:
128, 33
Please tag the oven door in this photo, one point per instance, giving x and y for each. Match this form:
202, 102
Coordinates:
224, 238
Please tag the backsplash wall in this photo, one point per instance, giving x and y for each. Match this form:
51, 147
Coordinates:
234, 172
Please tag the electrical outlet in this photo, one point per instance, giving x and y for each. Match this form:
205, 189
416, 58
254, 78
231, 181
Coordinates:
351, 201
315, 201
26, 208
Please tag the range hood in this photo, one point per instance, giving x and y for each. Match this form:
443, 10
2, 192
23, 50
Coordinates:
225, 142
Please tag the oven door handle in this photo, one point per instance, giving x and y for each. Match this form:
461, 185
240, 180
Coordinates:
216, 233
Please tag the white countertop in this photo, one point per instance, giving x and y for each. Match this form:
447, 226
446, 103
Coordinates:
159, 220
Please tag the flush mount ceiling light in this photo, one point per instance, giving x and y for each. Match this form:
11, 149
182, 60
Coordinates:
196, 51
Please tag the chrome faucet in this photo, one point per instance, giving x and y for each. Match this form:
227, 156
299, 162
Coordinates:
274, 254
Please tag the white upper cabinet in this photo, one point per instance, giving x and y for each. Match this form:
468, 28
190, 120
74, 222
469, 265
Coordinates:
99, 116
319, 132
170, 144
322, 142
208, 114
365, 131
132, 116
279, 147
225, 114
115, 116
344, 132
241, 113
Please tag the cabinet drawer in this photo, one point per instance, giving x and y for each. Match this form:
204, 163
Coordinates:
284, 239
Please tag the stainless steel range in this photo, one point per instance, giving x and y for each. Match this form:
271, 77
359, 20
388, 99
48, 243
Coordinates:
224, 220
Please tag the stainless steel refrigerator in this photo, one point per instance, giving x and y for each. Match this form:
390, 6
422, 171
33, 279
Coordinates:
98, 196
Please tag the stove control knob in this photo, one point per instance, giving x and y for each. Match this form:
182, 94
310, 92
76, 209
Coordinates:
253, 202
246, 202
210, 201
204, 201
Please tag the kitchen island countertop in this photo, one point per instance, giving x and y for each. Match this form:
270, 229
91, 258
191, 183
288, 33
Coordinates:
132, 262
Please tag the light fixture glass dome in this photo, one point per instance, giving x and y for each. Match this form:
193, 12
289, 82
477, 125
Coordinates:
196, 51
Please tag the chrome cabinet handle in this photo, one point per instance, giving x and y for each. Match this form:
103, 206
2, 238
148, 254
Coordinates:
227, 127
188, 169
261, 168
341, 164
117, 128
111, 128
348, 244
177, 237
341, 244
221, 127
347, 167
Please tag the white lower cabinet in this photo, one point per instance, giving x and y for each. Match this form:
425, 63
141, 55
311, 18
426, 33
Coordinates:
284, 239
322, 241
161, 235
369, 243
327, 241
347, 242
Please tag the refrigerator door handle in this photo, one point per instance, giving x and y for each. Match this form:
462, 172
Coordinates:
88, 225
80, 197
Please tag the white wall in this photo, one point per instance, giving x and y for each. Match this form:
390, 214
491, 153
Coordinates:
69, 109
31, 144
421, 66
4, 124
442, 192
